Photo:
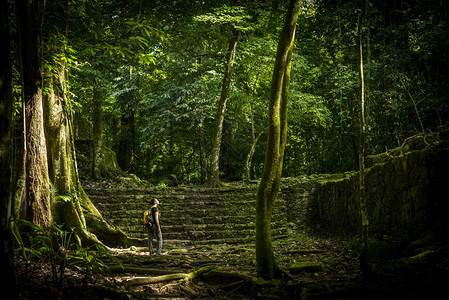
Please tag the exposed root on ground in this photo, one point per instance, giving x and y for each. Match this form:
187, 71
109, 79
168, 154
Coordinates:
182, 277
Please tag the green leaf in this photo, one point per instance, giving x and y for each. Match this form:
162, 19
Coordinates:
16, 233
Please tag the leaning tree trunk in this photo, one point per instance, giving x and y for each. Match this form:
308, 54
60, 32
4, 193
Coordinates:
249, 158
73, 207
214, 176
277, 132
37, 200
6, 125
364, 265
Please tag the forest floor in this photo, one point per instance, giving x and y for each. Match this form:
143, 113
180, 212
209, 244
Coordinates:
316, 268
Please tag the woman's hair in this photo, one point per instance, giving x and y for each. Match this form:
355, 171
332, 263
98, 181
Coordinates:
153, 201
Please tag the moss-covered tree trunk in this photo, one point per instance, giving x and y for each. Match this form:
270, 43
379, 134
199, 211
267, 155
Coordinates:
249, 158
56, 107
97, 140
214, 174
277, 132
72, 205
6, 124
37, 198
58, 124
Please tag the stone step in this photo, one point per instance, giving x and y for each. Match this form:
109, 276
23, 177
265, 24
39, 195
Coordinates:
189, 225
121, 212
171, 192
177, 202
248, 241
201, 238
196, 227
193, 213
169, 243
211, 221
188, 215
138, 230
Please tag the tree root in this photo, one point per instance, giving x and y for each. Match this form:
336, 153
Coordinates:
230, 282
240, 283
183, 278
141, 270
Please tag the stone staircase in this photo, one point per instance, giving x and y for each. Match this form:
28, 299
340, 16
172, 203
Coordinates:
189, 215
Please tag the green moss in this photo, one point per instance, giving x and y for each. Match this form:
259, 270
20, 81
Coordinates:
306, 266
110, 158
421, 256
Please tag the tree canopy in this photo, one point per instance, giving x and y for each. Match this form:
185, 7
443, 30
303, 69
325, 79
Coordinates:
159, 67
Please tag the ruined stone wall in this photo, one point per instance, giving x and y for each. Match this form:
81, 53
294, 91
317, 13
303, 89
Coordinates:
406, 194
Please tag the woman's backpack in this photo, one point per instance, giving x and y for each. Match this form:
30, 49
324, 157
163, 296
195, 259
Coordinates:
147, 219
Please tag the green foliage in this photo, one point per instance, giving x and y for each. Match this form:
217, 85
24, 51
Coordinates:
234, 16
27, 252
54, 244
158, 67
89, 261
46, 244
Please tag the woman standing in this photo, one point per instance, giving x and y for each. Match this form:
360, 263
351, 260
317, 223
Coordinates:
155, 228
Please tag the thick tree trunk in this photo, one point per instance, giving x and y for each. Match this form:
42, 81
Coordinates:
6, 125
277, 130
73, 207
37, 206
364, 265
214, 175
57, 125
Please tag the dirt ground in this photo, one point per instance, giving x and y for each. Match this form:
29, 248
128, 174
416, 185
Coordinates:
314, 268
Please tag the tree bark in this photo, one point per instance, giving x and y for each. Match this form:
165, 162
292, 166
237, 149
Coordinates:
57, 114
364, 265
72, 207
37, 206
214, 176
127, 138
97, 139
277, 132
249, 157
6, 125
203, 160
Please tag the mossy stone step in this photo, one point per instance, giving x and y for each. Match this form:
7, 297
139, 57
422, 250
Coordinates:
211, 233
219, 220
136, 214
155, 192
182, 202
173, 241
197, 224
189, 215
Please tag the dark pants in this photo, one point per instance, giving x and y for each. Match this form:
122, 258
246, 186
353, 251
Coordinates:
151, 233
